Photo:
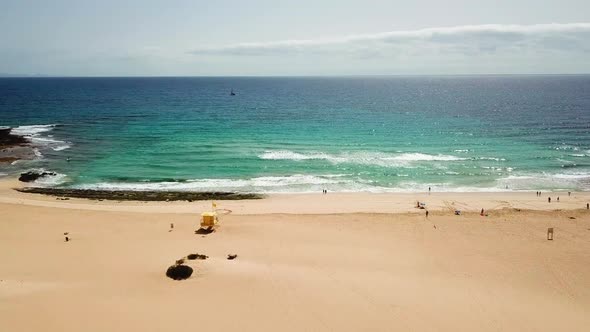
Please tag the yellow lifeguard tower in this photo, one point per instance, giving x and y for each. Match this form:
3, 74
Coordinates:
209, 219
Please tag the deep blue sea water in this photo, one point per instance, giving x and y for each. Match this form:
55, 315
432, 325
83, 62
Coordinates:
486, 133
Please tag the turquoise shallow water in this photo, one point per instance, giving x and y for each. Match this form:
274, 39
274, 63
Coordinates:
305, 134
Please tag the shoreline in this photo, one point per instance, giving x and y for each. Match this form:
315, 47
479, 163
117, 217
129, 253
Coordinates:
15, 192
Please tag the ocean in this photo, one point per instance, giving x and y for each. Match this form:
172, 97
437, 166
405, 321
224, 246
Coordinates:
304, 134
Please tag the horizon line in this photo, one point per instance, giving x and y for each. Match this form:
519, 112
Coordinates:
3, 75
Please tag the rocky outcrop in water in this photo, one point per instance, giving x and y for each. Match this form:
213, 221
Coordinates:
14, 147
7, 139
31, 176
129, 195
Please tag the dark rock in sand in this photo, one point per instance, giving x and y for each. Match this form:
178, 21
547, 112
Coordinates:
179, 272
197, 256
129, 195
34, 175
204, 231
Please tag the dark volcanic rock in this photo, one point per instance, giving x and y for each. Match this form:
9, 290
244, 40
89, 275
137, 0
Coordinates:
197, 256
14, 147
179, 272
31, 176
7, 139
129, 195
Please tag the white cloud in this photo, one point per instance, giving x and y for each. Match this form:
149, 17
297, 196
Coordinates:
460, 40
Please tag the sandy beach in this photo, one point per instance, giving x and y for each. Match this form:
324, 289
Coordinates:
312, 262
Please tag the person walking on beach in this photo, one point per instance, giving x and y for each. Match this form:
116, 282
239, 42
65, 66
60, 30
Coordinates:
481, 214
429, 190
569, 193
558, 198
549, 199
587, 206
426, 213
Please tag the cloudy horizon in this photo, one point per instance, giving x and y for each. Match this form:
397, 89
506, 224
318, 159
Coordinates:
194, 38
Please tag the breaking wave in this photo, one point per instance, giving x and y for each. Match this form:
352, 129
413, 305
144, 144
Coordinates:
265, 184
35, 134
361, 158
547, 181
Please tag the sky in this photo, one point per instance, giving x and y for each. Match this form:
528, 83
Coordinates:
284, 38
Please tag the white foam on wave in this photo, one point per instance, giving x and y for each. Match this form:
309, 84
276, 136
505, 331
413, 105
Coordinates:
566, 147
31, 130
425, 157
50, 180
362, 158
299, 183
550, 181
33, 133
290, 155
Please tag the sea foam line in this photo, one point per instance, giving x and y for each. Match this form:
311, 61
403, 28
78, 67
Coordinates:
363, 158
34, 134
264, 184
